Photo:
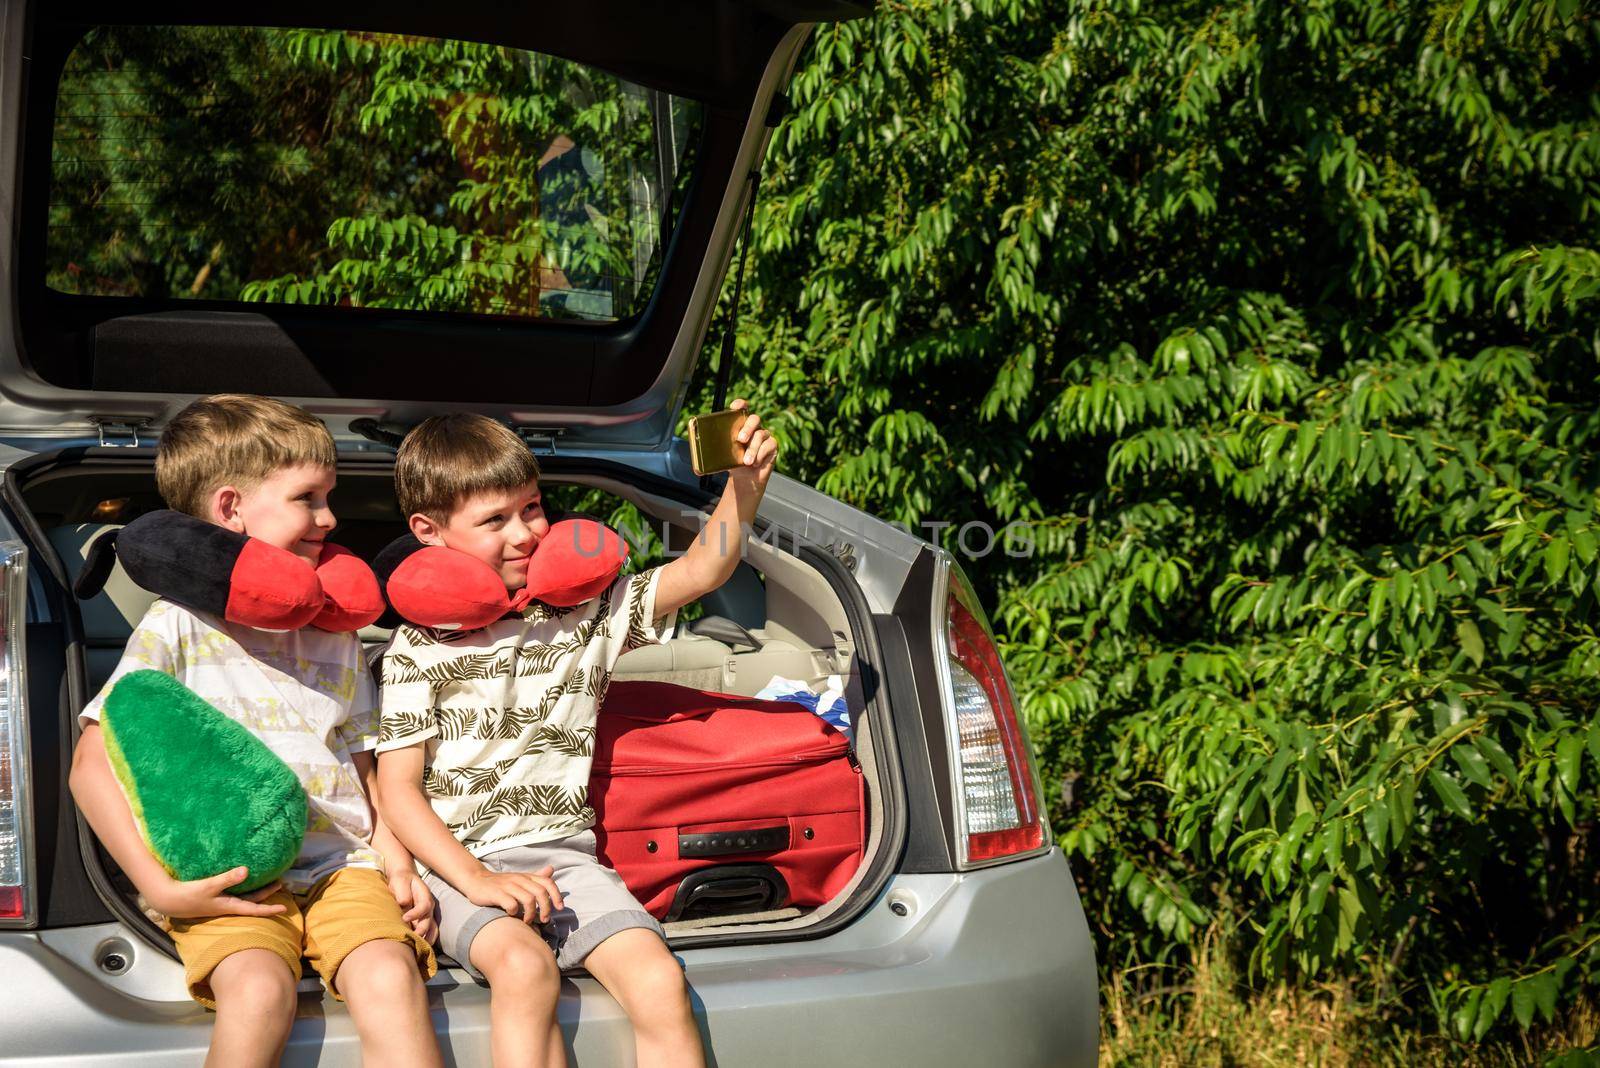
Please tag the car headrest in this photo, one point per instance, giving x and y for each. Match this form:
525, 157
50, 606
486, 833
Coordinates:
112, 613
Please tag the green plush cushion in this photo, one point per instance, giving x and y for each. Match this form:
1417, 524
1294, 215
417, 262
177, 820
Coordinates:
207, 794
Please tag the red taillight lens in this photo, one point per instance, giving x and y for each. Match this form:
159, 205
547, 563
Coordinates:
16, 830
998, 784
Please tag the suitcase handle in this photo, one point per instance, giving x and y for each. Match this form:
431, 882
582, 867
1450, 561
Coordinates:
726, 843
729, 889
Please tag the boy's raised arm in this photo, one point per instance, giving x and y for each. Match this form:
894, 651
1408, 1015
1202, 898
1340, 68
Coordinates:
711, 559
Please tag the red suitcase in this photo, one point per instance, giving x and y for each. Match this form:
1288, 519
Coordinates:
709, 804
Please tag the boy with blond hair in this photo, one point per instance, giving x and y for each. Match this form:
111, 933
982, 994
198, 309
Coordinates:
486, 740
264, 468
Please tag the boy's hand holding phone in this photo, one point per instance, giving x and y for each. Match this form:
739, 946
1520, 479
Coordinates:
733, 440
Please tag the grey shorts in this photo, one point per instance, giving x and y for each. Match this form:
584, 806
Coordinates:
596, 903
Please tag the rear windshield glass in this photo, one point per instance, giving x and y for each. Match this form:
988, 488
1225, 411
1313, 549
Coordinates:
362, 170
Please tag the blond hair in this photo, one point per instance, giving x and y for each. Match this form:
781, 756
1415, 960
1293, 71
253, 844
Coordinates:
234, 439
449, 458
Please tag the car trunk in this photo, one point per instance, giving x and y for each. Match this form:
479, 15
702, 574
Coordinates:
91, 354
802, 610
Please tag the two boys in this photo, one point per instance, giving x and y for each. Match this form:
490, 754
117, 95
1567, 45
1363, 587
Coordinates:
485, 739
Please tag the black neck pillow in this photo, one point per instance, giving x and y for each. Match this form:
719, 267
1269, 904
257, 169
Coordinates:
242, 579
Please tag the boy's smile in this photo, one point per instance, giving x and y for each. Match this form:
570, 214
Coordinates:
501, 528
287, 509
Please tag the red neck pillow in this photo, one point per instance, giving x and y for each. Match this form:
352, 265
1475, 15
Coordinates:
433, 586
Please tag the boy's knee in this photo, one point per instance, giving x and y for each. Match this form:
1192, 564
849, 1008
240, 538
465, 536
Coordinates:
656, 987
383, 969
256, 982
522, 963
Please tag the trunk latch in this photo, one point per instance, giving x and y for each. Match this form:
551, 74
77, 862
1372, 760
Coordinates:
119, 431
845, 551
541, 438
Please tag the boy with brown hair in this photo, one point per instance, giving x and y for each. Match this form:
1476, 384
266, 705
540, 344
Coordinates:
486, 740
264, 468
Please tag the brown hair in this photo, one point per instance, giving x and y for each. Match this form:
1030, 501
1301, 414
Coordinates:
448, 458
234, 439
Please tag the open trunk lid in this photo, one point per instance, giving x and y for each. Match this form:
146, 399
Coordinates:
596, 347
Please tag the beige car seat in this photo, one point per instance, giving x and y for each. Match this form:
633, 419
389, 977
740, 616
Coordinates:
110, 615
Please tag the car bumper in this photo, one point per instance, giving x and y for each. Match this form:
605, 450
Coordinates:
993, 966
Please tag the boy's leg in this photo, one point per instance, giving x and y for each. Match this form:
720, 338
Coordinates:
639, 970
605, 929
255, 997
520, 968
381, 983
246, 968
524, 987
370, 958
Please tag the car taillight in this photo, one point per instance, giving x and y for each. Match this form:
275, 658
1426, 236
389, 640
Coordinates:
997, 784
16, 815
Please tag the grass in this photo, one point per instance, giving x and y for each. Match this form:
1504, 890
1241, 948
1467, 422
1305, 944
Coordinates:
1213, 1021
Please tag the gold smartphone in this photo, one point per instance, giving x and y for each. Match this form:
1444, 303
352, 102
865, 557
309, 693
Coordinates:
713, 441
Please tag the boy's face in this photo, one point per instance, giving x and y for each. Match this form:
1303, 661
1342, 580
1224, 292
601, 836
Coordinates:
500, 528
287, 509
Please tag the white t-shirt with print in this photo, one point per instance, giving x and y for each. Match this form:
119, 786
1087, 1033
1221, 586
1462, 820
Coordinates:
306, 694
507, 713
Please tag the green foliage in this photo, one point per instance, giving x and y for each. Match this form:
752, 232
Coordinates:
1276, 322
180, 171
539, 222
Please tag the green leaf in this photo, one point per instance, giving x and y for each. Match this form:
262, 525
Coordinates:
1450, 793
1555, 559
1569, 760
1522, 1003
1280, 763
1494, 1000
1496, 754
1317, 896
1583, 542
1349, 915
1466, 1014
1544, 987
1400, 812
1470, 640
1293, 836
1120, 876
1472, 765
1376, 821
1380, 591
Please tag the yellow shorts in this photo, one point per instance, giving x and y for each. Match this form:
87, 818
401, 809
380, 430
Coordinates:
349, 908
